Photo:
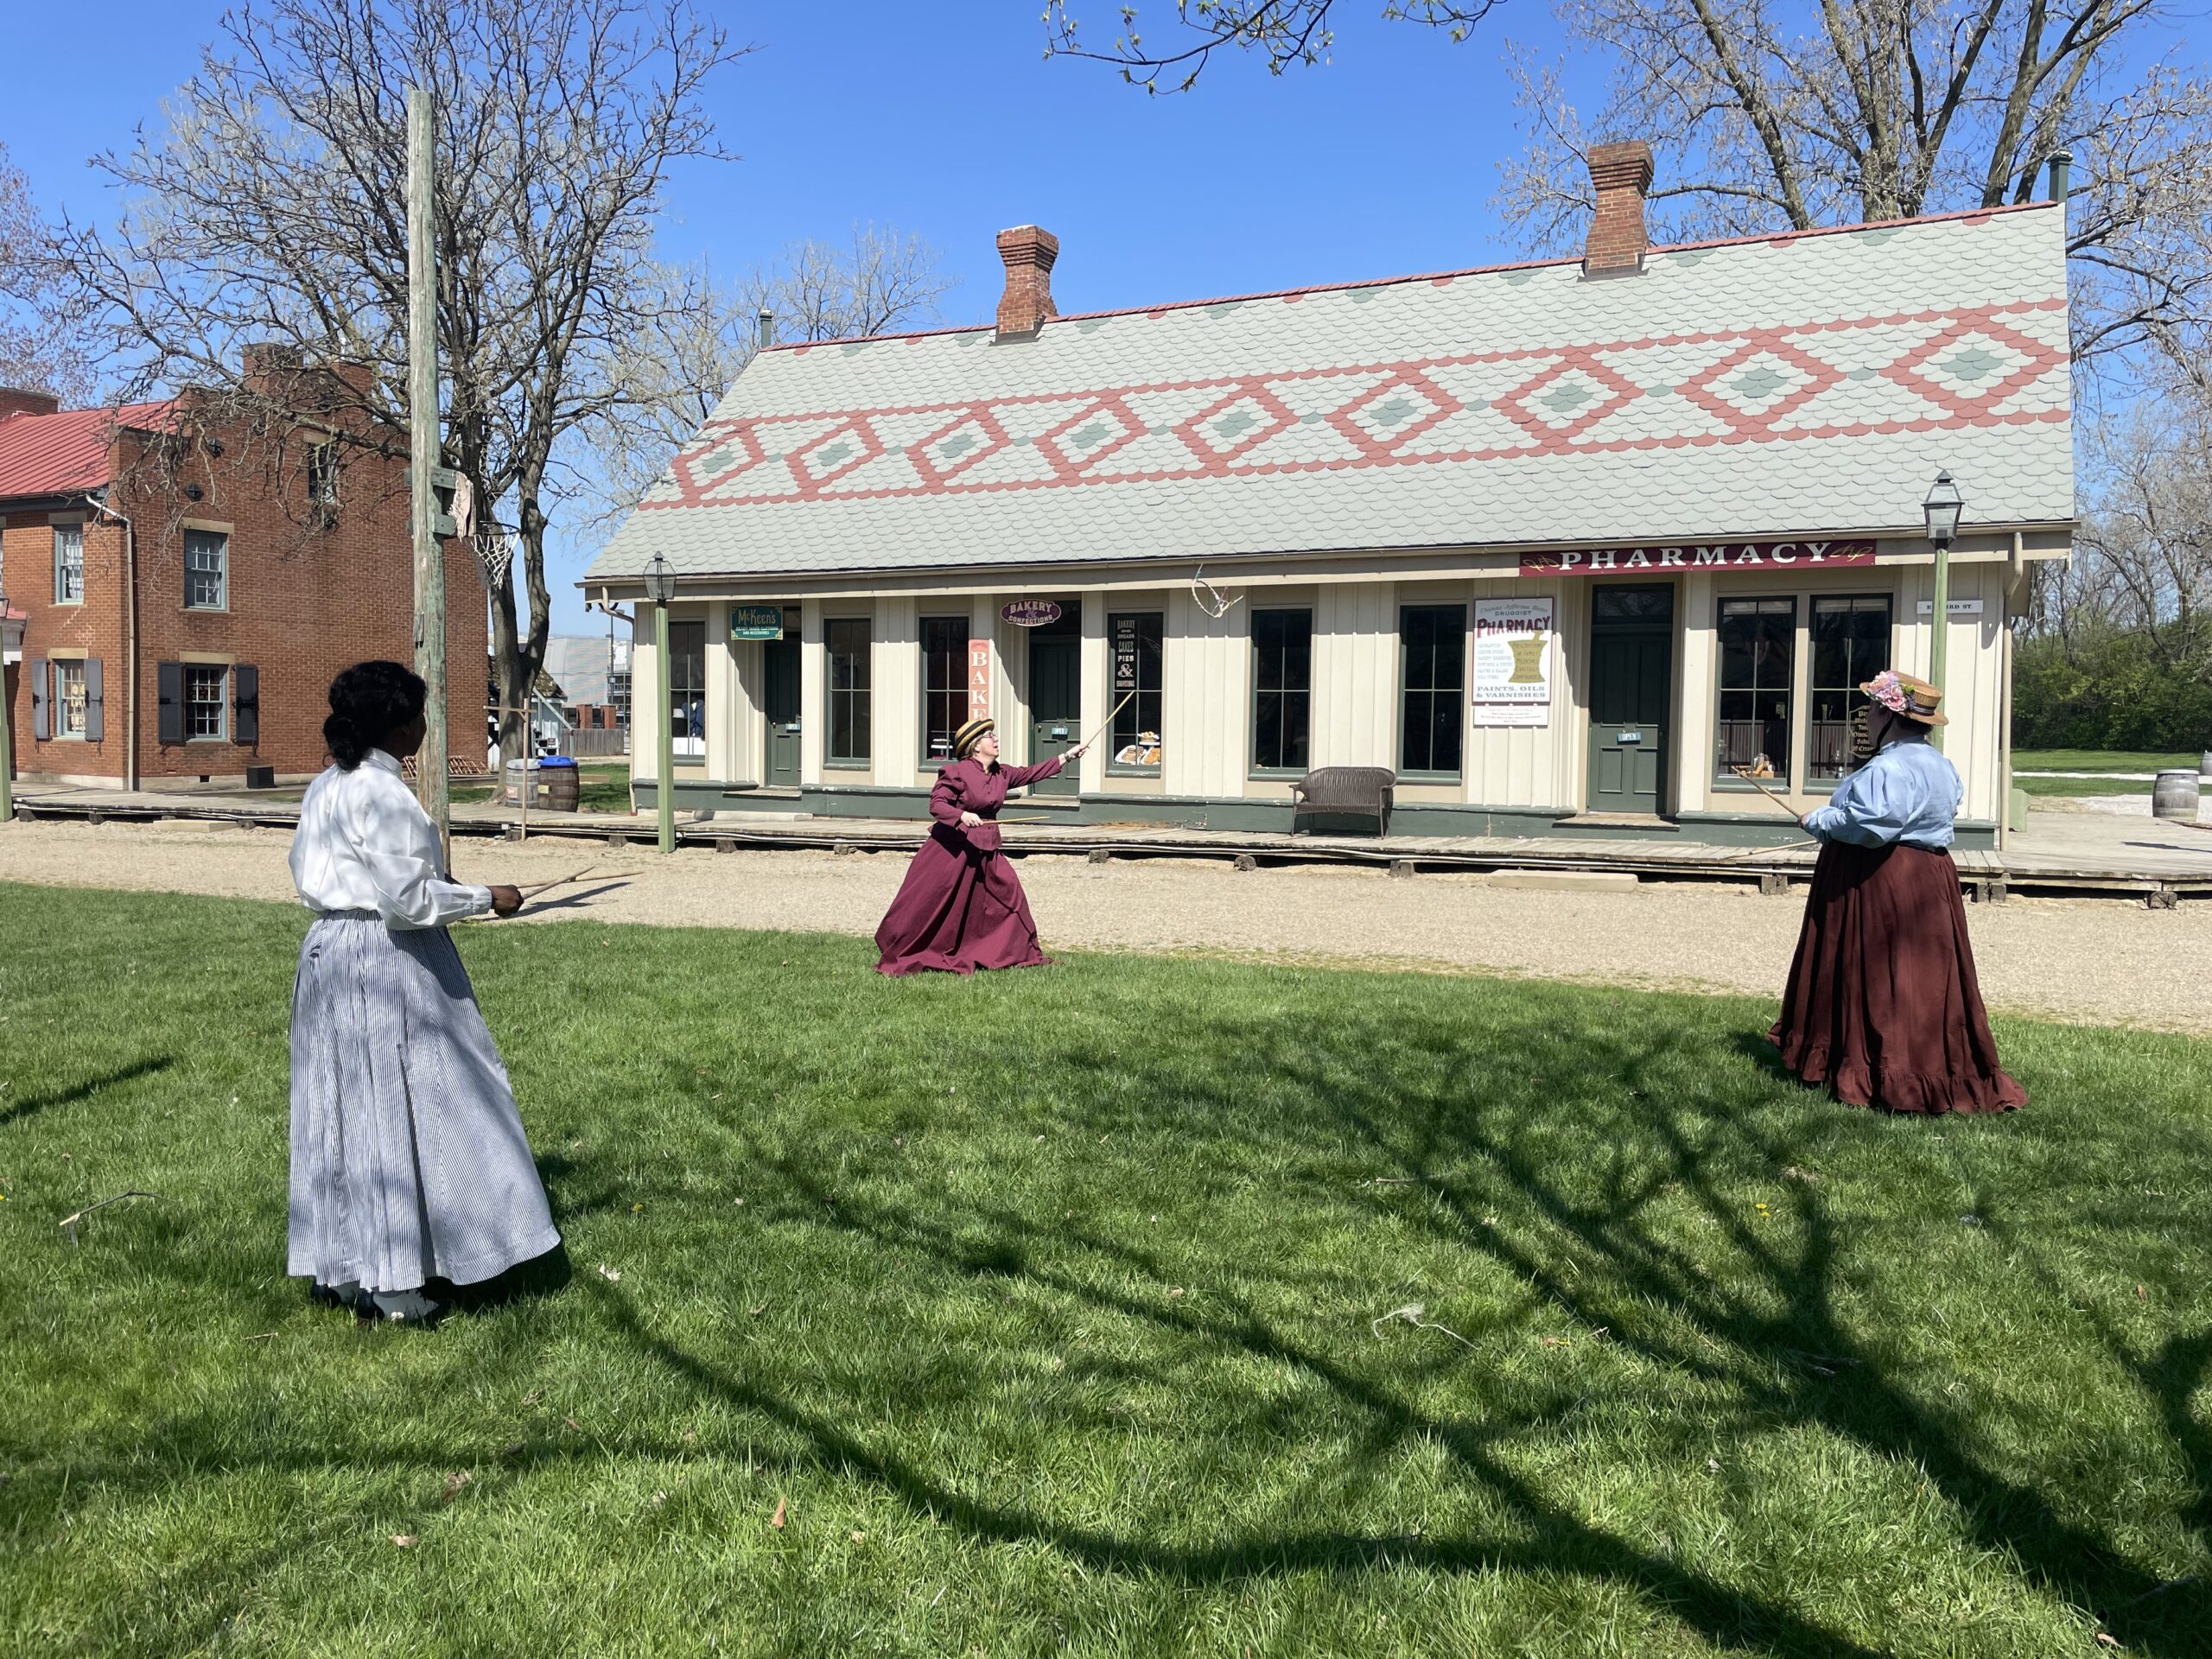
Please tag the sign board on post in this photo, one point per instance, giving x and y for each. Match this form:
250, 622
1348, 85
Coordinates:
979, 679
1952, 608
1513, 649
1029, 613
756, 622
1691, 556
1125, 655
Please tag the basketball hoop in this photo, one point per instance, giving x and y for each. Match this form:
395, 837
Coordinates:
495, 552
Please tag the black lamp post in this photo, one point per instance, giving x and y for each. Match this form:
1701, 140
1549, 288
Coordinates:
1942, 508
660, 588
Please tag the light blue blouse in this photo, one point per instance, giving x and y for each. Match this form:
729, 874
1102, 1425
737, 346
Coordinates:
1908, 793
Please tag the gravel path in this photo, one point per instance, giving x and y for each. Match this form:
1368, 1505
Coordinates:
2093, 961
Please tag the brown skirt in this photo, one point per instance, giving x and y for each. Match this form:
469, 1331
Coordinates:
1882, 1004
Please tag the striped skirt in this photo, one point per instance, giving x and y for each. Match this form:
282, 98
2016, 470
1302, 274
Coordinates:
408, 1158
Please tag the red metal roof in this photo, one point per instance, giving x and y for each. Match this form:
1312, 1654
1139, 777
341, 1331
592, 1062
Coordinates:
60, 454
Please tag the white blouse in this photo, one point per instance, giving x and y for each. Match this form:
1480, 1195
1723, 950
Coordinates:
366, 843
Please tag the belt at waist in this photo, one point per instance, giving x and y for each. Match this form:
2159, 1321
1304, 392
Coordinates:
347, 916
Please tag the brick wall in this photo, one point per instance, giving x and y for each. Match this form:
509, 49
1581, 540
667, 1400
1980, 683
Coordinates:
304, 601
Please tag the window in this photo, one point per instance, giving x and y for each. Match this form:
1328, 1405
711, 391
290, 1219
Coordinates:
1135, 637
851, 684
944, 683
69, 699
1433, 693
686, 690
322, 476
206, 686
1758, 647
68, 564
207, 571
1851, 644
1282, 689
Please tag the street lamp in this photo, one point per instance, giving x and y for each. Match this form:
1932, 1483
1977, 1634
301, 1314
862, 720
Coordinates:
660, 587
1942, 508
6, 723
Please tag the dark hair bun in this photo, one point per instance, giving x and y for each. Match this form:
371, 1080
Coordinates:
368, 703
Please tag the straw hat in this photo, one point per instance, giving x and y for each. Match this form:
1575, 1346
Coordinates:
1909, 697
970, 735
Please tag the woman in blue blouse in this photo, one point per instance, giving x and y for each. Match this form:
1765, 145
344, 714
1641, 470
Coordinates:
1882, 1004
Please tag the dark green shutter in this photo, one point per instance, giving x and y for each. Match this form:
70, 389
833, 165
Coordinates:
169, 683
40, 728
246, 685
95, 704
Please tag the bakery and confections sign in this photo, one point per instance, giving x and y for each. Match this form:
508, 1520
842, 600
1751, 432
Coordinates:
1696, 555
1512, 678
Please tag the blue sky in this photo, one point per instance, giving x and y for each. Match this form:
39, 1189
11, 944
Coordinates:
944, 119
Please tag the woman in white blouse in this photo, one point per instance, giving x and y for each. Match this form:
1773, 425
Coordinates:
410, 1166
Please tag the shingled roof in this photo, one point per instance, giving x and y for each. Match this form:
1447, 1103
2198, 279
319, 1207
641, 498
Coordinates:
65, 454
1788, 384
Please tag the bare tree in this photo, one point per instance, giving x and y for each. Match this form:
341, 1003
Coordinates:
271, 210
1785, 114
1288, 34
882, 281
40, 348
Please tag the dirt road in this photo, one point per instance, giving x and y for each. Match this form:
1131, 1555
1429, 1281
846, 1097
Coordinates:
2105, 962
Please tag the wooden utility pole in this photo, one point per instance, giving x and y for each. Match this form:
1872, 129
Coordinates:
431, 779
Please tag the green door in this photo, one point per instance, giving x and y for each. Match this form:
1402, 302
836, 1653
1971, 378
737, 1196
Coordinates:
1056, 694
779, 660
1631, 677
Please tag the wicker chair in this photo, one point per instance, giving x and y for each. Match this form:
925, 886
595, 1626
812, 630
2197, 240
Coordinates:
1362, 791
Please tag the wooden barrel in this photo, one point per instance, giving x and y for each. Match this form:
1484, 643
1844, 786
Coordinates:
557, 787
2174, 795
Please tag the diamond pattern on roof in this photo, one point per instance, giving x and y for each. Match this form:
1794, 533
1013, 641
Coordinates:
1772, 384
1916, 371
1972, 366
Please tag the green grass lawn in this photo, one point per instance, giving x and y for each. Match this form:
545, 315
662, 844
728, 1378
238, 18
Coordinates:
2097, 760
2078, 786
1042, 1303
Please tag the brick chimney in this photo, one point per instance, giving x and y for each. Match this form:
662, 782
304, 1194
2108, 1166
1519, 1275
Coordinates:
15, 400
1622, 174
1029, 253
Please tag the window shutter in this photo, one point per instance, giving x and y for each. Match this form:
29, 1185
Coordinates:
246, 686
35, 673
95, 715
168, 680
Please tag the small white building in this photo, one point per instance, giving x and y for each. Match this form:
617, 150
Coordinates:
1562, 544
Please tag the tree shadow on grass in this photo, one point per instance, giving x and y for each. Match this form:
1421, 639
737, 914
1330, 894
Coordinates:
1584, 1237
36, 1104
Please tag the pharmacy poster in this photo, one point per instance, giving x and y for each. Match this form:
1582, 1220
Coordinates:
1512, 679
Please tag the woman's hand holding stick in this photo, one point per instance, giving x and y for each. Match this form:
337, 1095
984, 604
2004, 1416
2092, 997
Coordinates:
1796, 817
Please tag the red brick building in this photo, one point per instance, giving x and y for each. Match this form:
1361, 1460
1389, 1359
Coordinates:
188, 589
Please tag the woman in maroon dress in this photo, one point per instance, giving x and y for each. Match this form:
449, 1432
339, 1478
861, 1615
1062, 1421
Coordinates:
1883, 1005
961, 906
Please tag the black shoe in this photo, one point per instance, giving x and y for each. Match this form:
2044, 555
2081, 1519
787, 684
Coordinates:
409, 1307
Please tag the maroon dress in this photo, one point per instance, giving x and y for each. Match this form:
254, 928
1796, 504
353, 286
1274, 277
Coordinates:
961, 906
1883, 1005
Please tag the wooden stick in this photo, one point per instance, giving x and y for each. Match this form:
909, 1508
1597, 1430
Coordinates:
1744, 772
1779, 846
1108, 721
537, 888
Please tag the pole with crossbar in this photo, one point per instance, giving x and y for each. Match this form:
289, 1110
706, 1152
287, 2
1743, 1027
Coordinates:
431, 782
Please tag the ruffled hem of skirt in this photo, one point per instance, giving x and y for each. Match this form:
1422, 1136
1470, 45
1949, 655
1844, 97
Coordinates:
1916, 1093
934, 962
